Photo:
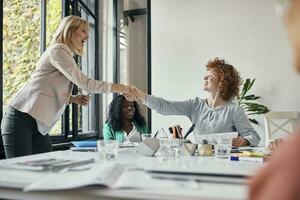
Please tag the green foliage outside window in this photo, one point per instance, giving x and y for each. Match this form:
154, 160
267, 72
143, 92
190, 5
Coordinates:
21, 36
21, 41
53, 18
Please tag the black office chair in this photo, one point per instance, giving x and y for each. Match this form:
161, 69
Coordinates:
2, 152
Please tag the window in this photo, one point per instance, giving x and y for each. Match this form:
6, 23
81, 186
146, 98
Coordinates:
20, 44
133, 53
84, 120
53, 17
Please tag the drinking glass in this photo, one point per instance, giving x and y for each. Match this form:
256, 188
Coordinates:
144, 136
223, 148
111, 150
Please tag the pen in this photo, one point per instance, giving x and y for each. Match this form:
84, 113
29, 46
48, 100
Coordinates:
156, 133
247, 159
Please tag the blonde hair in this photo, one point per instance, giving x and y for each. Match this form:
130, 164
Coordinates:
66, 29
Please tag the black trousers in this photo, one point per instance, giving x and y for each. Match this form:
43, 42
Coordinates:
20, 135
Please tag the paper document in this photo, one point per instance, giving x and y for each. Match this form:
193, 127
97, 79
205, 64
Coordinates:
215, 137
99, 174
108, 175
84, 149
44, 164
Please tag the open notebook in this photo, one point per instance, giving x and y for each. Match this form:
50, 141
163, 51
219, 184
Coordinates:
108, 175
53, 164
99, 174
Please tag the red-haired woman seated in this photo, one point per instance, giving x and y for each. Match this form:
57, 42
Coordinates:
215, 114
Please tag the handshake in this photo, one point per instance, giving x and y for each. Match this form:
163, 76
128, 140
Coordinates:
132, 93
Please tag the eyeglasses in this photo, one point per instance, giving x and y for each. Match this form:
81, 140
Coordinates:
281, 6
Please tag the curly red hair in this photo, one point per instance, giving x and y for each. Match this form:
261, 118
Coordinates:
228, 77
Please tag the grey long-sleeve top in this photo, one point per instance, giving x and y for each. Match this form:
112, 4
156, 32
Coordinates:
231, 117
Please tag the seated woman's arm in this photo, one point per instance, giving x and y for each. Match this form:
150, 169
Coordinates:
163, 106
166, 107
244, 127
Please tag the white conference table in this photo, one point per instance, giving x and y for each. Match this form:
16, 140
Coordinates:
216, 179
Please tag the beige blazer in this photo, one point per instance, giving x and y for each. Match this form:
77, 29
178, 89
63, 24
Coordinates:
51, 84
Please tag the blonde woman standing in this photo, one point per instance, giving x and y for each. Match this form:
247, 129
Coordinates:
36, 107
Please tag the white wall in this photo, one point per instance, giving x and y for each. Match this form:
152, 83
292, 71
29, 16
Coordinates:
137, 49
106, 25
246, 33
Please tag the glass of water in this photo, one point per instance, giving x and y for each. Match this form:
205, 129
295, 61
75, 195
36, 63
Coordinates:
111, 150
101, 149
177, 146
144, 136
166, 152
170, 149
223, 148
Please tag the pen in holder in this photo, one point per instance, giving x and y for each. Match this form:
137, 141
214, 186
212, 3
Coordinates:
176, 131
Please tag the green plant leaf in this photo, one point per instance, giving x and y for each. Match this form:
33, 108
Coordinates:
248, 101
253, 121
251, 84
251, 97
245, 87
254, 107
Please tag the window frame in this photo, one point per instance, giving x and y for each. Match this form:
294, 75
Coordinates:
72, 7
2, 154
1, 61
117, 14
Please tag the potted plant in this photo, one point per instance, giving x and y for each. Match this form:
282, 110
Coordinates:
248, 101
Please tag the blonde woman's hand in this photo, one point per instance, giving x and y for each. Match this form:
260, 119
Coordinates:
80, 99
127, 93
138, 94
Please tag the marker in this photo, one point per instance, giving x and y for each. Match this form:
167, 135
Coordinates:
247, 159
249, 154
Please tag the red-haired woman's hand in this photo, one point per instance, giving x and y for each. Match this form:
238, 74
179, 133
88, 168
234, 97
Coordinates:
239, 142
275, 144
137, 93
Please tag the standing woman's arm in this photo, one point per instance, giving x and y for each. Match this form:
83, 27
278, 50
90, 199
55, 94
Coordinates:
61, 59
